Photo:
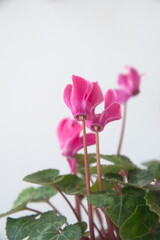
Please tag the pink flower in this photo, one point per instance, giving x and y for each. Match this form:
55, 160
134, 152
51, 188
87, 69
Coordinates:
112, 112
129, 85
71, 142
82, 97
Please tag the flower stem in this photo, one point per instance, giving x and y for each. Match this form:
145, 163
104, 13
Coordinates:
110, 226
99, 231
66, 199
52, 206
99, 172
33, 210
78, 209
87, 178
122, 128
100, 184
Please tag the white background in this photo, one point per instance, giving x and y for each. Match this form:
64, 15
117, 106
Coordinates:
44, 42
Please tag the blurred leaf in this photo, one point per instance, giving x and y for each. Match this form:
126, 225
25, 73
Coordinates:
24, 197
153, 201
13, 210
20, 204
106, 186
124, 161
141, 225
154, 167
82, 225
115, 169
31, 194
111, 176
140, 178
80, 158
44, 193
44, 177
70, 184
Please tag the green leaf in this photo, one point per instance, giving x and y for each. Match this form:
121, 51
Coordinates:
140, 178
20, 204
102, 199
80, 158
24, 197
123, 206
113, 176
119, 208
106, 186
153, 201
154, 167
107, 169
141, 225
13, 210
82, 225
49, 226
44, 193
30, 194
119, 160
18, 229
70, 184
44, 177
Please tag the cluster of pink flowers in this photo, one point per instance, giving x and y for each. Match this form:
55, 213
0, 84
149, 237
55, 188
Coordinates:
82, 97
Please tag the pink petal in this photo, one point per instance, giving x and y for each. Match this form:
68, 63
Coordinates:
110, 98
67, 96
134, 77
110, 114
77, 144
72, 164
81, 88
80, 91
122, 96
90, 138
123, 81
67, 129
96, 95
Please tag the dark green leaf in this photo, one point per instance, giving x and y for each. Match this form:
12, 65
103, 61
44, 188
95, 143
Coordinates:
153, 201
113, 176
82, 225
18, 229
140, 178
49, 226
141, 225
44, 177
121, 207
100, 200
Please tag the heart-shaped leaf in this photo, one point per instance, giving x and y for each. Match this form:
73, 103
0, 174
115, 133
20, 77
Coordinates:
141, 225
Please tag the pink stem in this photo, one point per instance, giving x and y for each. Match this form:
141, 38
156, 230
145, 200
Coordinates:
87, 178
99, 172
122, 129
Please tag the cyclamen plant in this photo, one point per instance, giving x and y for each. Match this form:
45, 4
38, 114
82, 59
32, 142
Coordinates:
123, 201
